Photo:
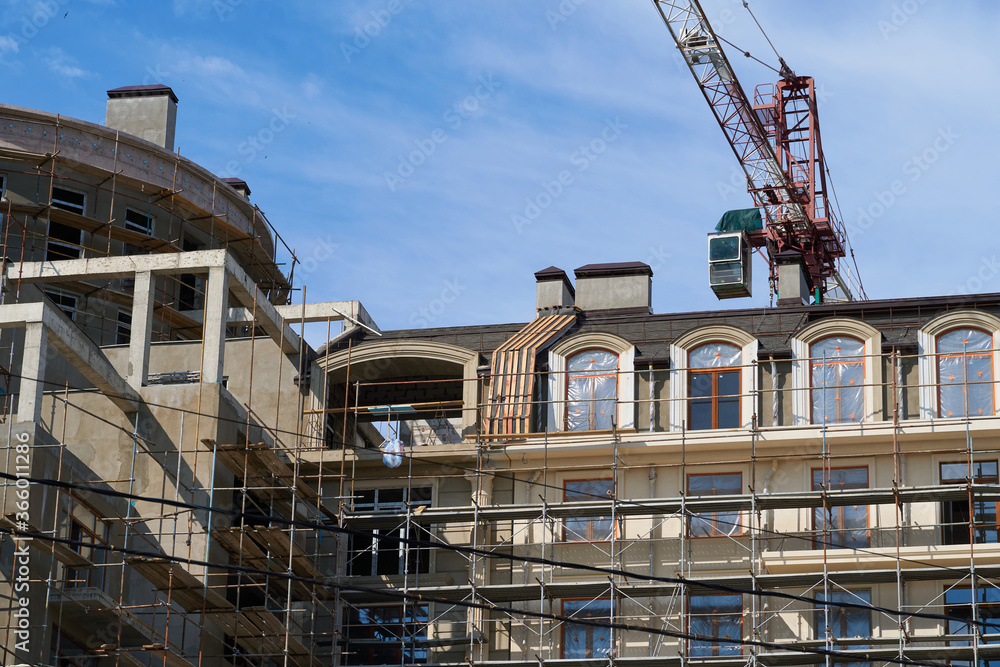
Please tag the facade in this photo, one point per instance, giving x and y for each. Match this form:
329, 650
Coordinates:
187, 482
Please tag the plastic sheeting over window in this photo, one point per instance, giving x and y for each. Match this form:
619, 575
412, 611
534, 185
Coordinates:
838, 378
845, 622
715, 524
588, 529
965, 373
845, 526
714, 393
715, 355
591, 390
587, 641
718, 616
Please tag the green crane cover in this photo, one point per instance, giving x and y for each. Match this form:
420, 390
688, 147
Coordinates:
742, 220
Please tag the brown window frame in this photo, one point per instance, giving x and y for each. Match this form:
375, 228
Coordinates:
716, 533
715, 373
562, 635
593, 401
716, 646
979, 353
817, 538
849, 360
590, 520
986, 479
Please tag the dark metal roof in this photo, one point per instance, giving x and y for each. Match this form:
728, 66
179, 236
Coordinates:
897, 319
550, 273
238, 184
614, 269
143, 91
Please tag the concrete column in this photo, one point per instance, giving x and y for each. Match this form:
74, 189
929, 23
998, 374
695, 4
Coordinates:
142, 324
29, 402
214, 330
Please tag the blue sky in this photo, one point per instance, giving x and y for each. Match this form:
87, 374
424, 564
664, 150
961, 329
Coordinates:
410, 133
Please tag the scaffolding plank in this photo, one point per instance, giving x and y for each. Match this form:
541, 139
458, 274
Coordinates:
184, 588
262, 469
657, 506
62, 552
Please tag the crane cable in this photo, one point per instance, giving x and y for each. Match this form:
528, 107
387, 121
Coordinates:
785, 71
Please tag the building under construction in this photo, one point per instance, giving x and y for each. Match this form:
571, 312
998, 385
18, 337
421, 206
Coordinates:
187, 482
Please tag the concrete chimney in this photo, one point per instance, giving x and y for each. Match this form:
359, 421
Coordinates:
553, 289
147, 112
239, 185
625, 286
793, 289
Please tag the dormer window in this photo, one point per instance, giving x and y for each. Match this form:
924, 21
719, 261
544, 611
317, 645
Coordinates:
591, 390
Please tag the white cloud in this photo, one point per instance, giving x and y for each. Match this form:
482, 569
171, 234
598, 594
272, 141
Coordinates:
8, 45
62, 64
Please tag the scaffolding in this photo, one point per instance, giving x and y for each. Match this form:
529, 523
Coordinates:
401, 509
780, 552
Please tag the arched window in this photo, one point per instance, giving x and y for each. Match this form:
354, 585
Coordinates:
838, 380
591, 390
965, 373
714, 390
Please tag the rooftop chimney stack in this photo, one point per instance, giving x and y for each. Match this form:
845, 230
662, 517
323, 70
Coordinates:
147, 112
239, 185
622, 287
553, 289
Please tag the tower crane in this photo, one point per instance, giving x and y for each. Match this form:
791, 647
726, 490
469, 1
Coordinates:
777, 142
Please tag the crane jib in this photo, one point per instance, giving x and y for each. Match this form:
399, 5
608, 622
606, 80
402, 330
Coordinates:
776, 140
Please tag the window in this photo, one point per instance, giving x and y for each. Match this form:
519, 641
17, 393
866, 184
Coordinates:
591, 390
616, 387
64, 242
847, 524
65, 302
845, 622
959, 519
386, 635
379, 554
123, 332
965, 373
588, 529
714, 524
958, 604
708, 388
138, 222
718, 618
68, 200
85, 530
587, 641
3, 187
187, 291
838, 380
715, 386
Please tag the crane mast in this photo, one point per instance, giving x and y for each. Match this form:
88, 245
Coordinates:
776, 140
